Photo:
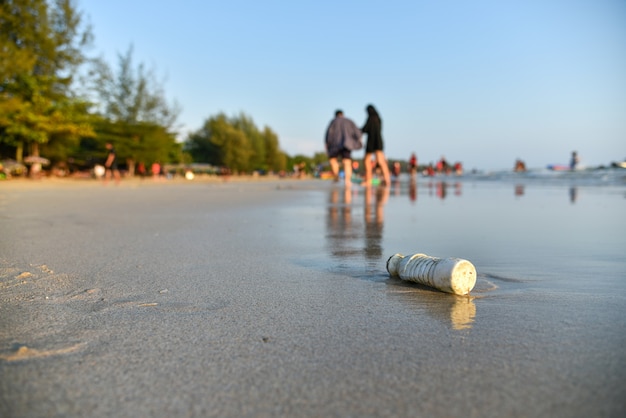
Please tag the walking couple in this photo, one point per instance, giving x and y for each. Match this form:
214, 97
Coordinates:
343, 137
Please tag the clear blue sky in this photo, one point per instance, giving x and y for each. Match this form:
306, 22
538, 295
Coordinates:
482, 81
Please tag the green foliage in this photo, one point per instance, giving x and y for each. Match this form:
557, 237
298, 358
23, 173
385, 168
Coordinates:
233, 143
256, 143
132, 95
141, 142
237, 144
276, 159
40, 48
200, 147
319, 158
134, 113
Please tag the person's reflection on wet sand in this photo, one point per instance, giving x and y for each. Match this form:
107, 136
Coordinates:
374, 220
573, 194
441, 189
413, 190
458, 189
349, 237
339, 225
519, 190
396, 187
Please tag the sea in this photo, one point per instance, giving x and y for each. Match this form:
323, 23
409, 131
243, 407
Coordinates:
539, 233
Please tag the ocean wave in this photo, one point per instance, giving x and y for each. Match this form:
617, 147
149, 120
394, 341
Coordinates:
586, 177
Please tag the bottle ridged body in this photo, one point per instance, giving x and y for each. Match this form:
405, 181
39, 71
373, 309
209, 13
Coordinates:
451, 275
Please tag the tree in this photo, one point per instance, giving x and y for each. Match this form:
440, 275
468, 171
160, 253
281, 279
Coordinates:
275, 158
266, 155
237, 144
40, 49
133, 95
234, 146
201, 148
320, 158
256, 141
135, 114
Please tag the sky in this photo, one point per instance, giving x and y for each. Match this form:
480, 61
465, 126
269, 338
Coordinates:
483, 82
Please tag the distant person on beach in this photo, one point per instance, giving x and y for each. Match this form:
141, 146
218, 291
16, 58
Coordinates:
156, 170
520, 166
413, 165
340, 136
141, 170
573, 163
110, 165
373, 129
397, 168
443, 166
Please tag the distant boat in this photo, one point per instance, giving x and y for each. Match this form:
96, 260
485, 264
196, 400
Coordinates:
619, 164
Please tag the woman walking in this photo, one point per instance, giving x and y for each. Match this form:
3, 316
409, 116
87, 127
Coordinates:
373, 129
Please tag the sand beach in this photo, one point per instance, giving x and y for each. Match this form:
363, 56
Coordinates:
271, 299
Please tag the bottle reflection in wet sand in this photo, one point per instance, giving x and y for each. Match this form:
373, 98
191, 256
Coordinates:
459, 312
462, 313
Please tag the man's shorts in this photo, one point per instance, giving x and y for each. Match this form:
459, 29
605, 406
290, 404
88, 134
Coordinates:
344, 153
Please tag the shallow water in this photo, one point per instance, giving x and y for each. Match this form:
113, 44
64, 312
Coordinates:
554, 253
563, 237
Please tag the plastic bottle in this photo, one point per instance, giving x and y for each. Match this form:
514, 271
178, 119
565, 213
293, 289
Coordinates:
450, 275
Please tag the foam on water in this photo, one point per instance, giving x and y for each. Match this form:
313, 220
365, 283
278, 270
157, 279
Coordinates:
585, 177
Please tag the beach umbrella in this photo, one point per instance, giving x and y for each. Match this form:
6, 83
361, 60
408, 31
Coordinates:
35, 159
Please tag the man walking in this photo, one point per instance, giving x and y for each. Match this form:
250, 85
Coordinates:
341, 136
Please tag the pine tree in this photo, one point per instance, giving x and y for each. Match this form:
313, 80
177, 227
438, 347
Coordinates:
41, 46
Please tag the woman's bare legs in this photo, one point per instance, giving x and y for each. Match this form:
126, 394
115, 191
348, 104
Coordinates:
367, 163
382, 162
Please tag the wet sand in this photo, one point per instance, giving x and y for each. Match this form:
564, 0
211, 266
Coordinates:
271, 298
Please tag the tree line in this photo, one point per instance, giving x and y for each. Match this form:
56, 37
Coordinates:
57, 102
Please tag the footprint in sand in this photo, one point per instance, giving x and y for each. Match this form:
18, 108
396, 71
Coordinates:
26, 353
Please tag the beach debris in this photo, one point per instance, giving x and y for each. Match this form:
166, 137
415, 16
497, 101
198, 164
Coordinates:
148, 304
45, 269
450, 275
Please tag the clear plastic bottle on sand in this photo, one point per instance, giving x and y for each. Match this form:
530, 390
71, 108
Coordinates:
450, 275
